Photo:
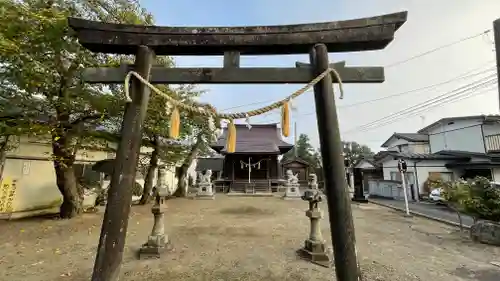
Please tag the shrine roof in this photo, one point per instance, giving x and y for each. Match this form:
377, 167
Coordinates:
261, 138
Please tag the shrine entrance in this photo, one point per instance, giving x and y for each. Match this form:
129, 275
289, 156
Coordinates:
251, 167
317, 39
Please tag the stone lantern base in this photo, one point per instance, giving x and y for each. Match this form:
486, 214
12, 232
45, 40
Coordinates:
158, 242
315, 252
314, 249
155, 246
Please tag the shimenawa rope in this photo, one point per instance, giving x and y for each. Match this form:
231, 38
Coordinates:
209, 111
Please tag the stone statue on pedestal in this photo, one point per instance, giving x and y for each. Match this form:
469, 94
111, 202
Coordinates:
314, 249
205, 186
158, 241
292, 186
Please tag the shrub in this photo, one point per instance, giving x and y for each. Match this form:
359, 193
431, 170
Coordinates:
475, 197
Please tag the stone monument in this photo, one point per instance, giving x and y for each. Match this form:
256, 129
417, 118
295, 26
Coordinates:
158, 241
314, 249
205, 187
292, 186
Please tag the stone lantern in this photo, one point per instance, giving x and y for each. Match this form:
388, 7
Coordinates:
158, 241
314, 249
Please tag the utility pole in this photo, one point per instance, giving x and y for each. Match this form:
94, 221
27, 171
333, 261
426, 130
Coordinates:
496, 32
402, 169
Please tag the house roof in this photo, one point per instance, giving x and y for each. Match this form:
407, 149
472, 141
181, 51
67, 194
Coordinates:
411, 137
484, 118
295, 159
370, 161
213, 163
461, 153
426, 156
261, 138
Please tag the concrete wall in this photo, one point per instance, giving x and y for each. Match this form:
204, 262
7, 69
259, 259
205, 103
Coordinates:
417, 176
30, 167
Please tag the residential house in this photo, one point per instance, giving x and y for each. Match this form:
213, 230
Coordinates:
31, 169
451, 148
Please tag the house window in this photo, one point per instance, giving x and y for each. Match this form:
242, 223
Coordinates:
444, 176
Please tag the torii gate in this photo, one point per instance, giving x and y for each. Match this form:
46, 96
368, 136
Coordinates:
317, 39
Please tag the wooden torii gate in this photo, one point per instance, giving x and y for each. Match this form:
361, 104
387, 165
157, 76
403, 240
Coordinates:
316, 39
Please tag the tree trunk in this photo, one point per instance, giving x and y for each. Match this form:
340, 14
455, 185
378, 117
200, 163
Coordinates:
148, 183
182, 171
66, 179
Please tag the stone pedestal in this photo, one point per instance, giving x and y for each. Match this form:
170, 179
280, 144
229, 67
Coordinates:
205, 192
314, 247
292, 192
158, 241
359, 195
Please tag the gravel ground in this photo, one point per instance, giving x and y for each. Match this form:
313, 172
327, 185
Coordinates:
244, 239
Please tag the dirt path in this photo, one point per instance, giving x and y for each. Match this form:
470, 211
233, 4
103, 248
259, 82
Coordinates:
244, 239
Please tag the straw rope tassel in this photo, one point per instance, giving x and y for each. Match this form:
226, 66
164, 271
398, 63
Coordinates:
285, 119
231, 137
175, 123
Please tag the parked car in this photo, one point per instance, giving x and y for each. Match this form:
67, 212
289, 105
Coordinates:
436, 195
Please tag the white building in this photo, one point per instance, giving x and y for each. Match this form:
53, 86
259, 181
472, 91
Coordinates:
448, 149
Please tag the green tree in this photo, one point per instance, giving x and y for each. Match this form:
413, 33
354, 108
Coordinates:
40, 75
354, 151
202, 135
156, 131
302, 149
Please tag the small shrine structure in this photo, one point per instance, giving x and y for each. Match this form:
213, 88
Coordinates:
255, 160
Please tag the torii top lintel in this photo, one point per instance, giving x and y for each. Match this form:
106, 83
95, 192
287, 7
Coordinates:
339, 36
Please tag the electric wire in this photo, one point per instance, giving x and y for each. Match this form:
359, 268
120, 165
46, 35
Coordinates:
465, 75
461, 91
412, 114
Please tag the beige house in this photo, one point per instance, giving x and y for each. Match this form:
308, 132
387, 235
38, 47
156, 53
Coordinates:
30, 170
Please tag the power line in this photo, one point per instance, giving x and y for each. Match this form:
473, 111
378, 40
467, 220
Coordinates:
432, 100
429, 103
464, 75
426, 103
439, 48
396, 63
469, 95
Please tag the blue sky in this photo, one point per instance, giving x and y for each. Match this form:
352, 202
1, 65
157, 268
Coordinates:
430, 24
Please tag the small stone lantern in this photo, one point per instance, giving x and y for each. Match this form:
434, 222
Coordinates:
314, 249
158, 241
